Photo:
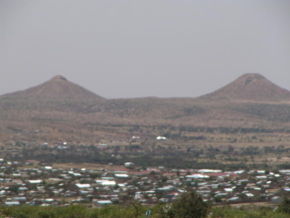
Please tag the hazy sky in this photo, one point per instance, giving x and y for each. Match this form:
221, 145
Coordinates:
135, 48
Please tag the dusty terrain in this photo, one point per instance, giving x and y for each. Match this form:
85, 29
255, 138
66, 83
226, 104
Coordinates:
59, 110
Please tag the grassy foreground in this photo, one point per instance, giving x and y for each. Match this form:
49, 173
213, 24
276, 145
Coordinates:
136, 211
188, 205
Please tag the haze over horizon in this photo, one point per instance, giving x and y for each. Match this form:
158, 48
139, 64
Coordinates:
143, 48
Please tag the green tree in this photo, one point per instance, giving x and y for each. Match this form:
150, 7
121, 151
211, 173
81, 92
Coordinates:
189, 205
284, 206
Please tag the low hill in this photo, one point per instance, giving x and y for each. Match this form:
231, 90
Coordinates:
57, 93
251, 87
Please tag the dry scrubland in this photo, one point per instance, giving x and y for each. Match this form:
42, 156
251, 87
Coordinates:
245, 122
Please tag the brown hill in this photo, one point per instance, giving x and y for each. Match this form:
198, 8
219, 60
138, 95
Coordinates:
251, 87
57, 88
57, 93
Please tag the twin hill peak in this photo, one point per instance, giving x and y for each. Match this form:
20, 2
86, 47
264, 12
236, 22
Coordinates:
248, 87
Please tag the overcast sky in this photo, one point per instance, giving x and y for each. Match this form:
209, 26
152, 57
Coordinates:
136, 48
